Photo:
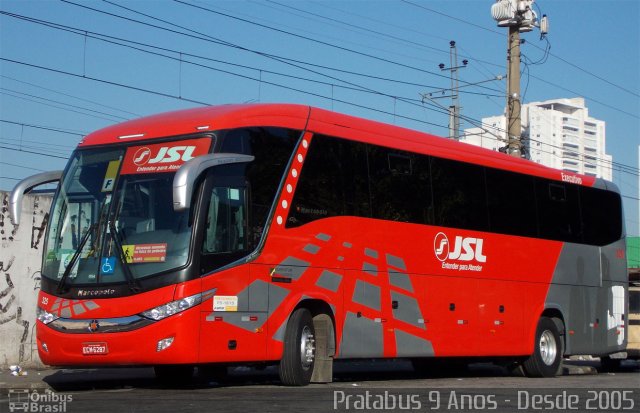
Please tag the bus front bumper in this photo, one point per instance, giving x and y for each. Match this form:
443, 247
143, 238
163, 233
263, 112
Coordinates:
173, 340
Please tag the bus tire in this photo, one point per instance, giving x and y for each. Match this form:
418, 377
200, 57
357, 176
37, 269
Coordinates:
548, 350
298, 358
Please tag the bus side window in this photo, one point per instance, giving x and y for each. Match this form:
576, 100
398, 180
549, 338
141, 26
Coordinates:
321, 191
512, 207
601, 216
558, 211
225, 229
459, 195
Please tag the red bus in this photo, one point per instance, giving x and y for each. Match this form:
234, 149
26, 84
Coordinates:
294, 235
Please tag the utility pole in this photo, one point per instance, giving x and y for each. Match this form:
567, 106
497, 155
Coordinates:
454, 108
518, 16
514, 123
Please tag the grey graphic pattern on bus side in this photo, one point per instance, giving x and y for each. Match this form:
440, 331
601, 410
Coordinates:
243, 298
329, 280
408, 345
585, 306
78, 309
400, 280
367, 294
408, 309
397, 262
371, 253
258, 296
277, 294
279, 334
311, 248
370, 269
292, 267
323, 237
361, 337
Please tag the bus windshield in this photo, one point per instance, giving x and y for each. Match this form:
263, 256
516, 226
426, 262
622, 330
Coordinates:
102, 224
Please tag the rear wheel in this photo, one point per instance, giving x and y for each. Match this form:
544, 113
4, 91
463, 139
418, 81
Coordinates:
298, 358
547, 354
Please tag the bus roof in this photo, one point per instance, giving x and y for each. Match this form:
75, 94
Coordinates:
210, 118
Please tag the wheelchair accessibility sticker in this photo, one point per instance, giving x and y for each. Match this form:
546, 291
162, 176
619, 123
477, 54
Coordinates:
108, 265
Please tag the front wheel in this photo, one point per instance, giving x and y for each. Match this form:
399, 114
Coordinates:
547, 354
298, 358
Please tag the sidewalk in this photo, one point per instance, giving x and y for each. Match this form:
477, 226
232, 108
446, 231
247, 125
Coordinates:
78, 379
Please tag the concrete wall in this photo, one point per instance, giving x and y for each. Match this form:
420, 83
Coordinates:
20, 260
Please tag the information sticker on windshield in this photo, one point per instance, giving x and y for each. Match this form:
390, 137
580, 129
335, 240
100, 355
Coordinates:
110, 176
145, 253
163, 157
65, 260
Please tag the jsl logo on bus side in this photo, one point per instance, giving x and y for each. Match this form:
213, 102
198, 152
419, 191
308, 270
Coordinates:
465, 251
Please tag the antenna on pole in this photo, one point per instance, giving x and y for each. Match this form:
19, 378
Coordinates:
454, 109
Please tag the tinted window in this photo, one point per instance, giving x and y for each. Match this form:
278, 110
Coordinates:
400, 186
558, 211
272, 149
320, 193
601, 215
512, 206
459, 195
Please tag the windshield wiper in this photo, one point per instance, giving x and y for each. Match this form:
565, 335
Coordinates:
134, 286
74, 257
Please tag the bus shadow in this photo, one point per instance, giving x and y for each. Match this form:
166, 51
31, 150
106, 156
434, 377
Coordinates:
344, 371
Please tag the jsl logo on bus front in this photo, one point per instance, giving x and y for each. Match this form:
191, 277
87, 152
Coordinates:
164, 155
464, 249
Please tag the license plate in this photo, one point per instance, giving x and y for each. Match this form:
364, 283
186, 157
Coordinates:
94, 349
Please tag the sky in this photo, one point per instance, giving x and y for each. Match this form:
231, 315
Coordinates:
71, 67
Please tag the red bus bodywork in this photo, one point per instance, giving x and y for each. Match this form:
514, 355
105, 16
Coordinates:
389, 293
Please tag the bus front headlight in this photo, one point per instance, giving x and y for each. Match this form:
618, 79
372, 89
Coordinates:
44, 316
174, 307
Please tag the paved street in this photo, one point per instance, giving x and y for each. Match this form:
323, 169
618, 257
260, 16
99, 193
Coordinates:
358, 386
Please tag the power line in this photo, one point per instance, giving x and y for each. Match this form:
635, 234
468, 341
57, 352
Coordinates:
66, 94
325, 97
350, 25
208, 38
103, 37
63, 103
54, 106
20, 166
43, 127
104, 81
65, 148
309, 39
35, 153
451, 17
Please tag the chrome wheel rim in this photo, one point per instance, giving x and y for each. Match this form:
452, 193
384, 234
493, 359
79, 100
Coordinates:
307, 348
548, 347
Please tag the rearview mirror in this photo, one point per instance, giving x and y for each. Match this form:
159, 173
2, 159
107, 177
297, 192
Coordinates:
191, 170
26, 185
